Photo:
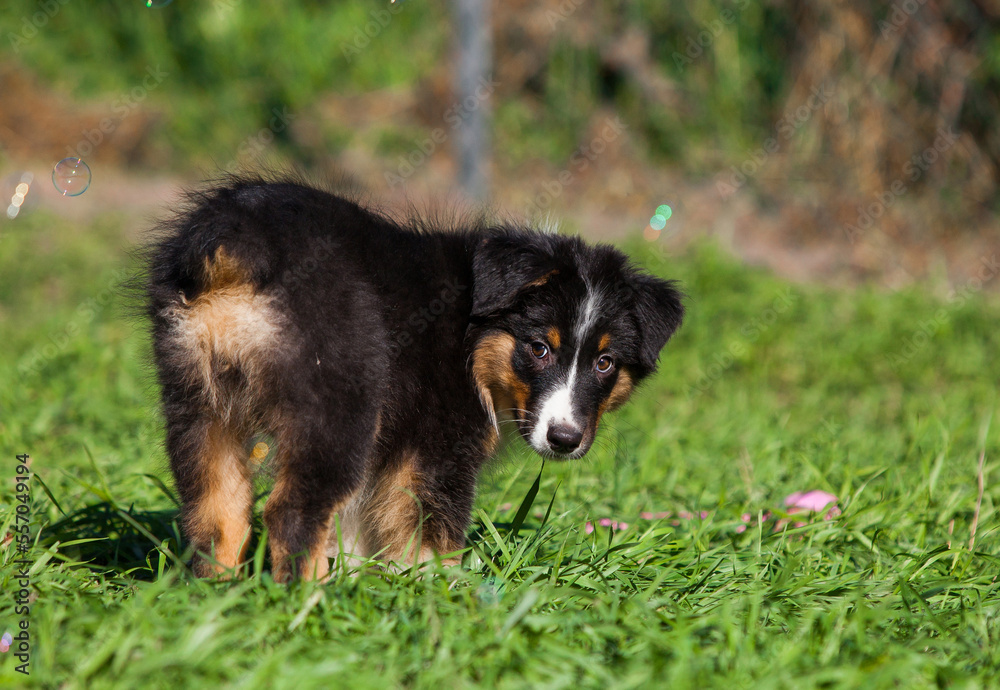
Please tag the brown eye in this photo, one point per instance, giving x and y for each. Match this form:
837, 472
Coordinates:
605, 364
539, 349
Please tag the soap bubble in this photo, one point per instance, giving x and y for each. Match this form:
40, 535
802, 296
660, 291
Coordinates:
20, 194
71, 176
658, 222
262, 450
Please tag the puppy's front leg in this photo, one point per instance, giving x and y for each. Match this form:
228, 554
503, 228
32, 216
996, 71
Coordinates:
419, 506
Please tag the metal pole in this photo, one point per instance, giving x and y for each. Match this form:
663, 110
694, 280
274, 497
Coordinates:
472, 75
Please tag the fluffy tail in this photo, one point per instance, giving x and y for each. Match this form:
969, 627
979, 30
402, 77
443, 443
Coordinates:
215, 326
216, 240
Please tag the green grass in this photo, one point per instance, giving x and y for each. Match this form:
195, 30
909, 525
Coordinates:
828, 395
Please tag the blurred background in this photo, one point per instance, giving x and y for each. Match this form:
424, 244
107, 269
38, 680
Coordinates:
840, 141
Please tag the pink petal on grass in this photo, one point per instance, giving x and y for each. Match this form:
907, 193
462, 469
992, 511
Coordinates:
622, 525
685, 515
588, 528
703, 514
813, 501
604, 522
506, 506
741, 529
647, 515
745, 517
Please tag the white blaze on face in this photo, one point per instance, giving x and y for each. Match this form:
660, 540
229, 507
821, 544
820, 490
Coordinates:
588, 316
557, 408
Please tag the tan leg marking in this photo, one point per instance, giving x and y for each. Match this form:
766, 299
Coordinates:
315, 565
218, 523
397, 524
349, 520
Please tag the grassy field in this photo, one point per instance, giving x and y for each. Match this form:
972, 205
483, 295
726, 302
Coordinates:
888, 401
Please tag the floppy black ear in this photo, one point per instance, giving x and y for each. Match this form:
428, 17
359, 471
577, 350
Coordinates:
658, 311
504, 265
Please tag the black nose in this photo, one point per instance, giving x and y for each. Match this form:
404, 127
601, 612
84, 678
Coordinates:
563, 438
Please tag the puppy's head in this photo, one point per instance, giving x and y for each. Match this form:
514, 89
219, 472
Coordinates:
561, 333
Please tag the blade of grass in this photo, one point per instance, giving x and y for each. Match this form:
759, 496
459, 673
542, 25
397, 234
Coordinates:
526, 503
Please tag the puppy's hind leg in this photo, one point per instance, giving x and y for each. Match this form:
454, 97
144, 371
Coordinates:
216, 492
321, 462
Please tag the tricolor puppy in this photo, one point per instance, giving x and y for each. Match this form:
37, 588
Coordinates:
381, 360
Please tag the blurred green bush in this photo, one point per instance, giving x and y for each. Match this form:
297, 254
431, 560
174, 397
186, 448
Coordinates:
705, 82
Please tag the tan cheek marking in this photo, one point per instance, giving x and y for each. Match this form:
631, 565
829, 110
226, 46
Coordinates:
554, 337
619, 394
218, 524
519, 391
604, 343
491, 442
498, 385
